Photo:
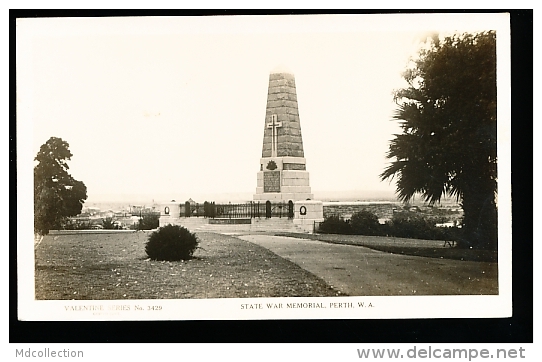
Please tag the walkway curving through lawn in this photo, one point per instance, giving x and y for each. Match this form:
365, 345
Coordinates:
357, 270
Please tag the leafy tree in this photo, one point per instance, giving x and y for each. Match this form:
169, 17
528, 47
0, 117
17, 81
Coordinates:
149, 222
57, 195
109, 223
448, 114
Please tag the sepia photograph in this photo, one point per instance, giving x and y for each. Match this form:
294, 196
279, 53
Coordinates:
249, 167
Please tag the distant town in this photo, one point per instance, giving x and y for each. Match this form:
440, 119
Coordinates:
122, 216
126, 215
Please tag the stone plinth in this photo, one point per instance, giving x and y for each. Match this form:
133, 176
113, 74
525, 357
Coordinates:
280, 184
306, 213
170, 212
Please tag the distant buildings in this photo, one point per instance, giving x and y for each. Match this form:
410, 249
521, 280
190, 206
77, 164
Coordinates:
124, 217
448, 215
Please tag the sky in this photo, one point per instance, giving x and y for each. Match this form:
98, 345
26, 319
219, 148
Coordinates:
171, 108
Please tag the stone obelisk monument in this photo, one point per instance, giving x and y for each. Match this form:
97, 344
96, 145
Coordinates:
283, 175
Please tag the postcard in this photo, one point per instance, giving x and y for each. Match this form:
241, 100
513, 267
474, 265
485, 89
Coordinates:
264, 167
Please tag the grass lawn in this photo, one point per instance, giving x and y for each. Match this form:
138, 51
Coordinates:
415, 247
115, 266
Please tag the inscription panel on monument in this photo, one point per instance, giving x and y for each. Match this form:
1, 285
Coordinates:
271, 181
294, 166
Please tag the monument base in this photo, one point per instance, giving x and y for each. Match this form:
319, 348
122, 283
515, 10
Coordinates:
170, 212
306, 213
287, 179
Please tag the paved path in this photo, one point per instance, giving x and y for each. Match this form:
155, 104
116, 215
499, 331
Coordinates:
356, 270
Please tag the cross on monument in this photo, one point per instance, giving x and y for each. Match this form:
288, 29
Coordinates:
274, 124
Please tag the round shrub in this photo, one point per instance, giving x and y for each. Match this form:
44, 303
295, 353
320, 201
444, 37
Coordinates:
365, 223
410, 225
171, 243
335, 224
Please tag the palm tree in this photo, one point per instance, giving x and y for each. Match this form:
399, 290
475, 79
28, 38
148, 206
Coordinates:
448, 147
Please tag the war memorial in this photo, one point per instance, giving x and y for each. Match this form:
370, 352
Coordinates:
283, 198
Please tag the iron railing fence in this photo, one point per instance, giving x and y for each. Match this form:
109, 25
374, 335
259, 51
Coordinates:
239, 210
